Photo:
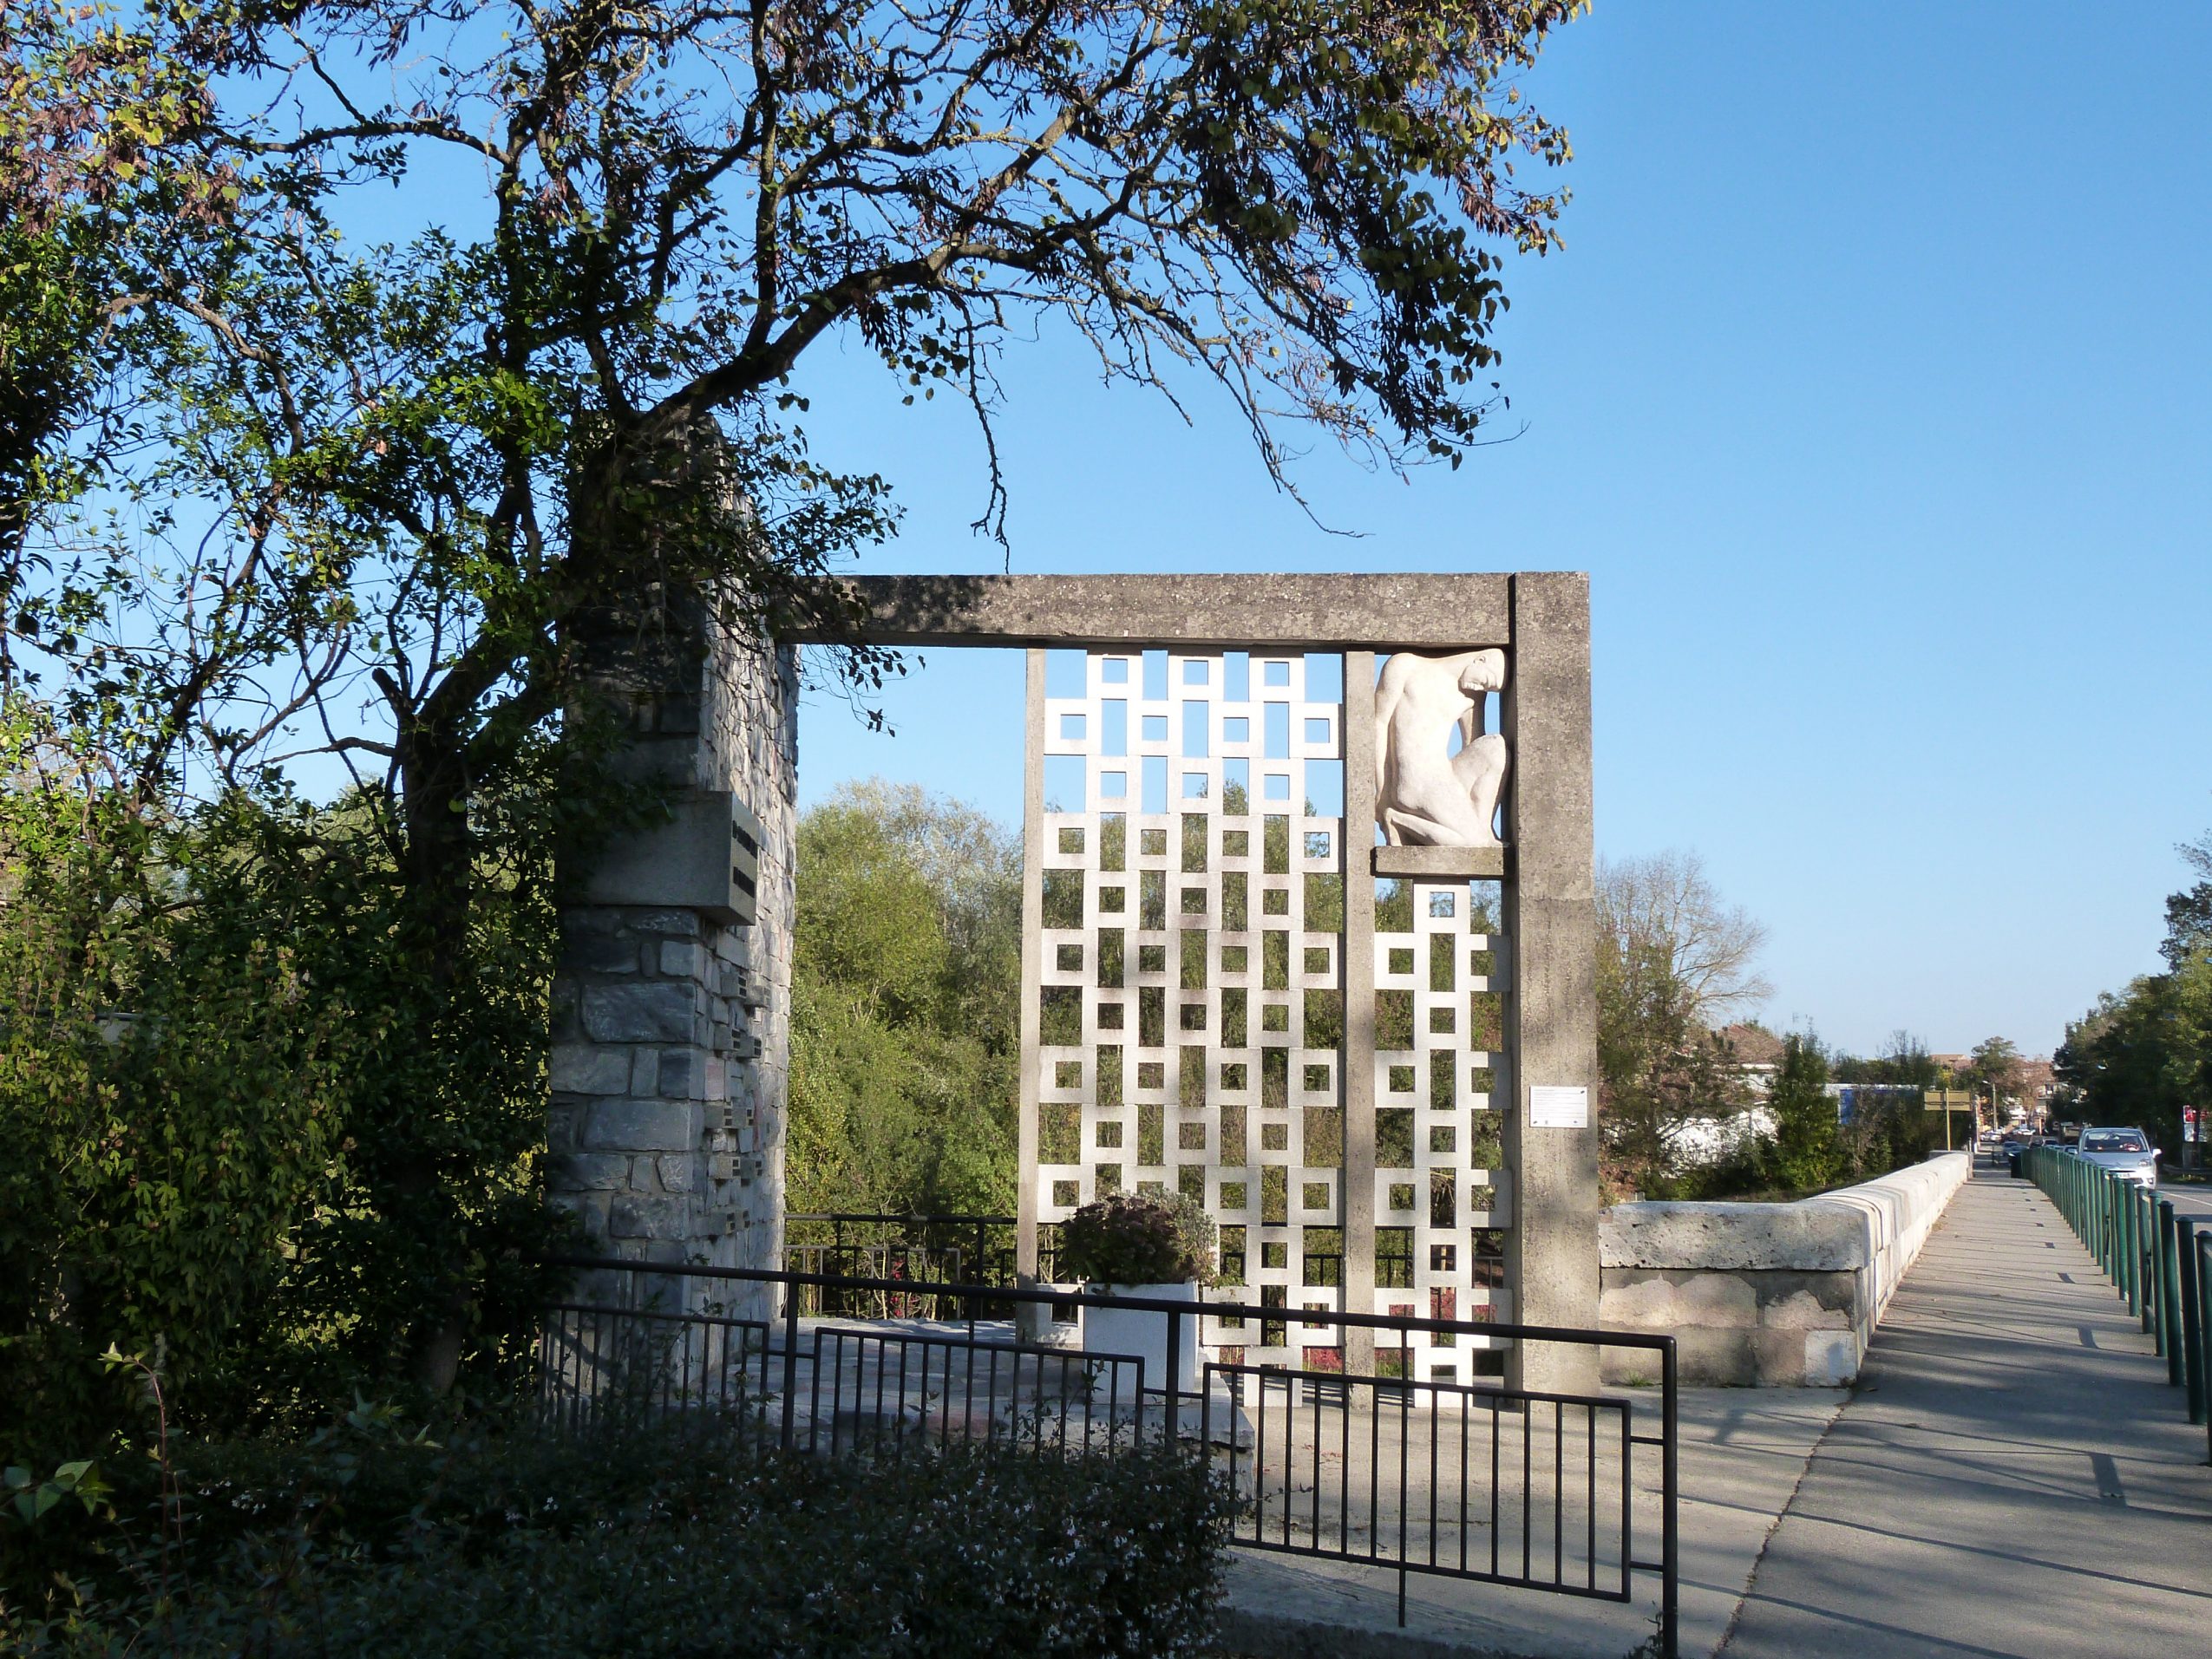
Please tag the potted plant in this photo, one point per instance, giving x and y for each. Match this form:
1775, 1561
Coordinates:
1155, 1244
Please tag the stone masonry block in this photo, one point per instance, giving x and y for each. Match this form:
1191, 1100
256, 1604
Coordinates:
587, 1068
675, 923
683, 958
679, 1072
642, 1126
582, 1172
655, 1013
632, 1217
678, 1172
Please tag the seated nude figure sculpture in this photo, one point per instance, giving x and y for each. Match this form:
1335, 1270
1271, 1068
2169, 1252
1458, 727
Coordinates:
1424, 796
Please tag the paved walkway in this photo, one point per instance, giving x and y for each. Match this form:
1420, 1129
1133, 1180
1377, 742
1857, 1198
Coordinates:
2012, 1476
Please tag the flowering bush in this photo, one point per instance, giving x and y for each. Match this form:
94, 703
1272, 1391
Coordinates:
1138, 1239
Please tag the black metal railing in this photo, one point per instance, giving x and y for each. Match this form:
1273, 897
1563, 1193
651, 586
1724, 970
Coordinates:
1535, 1489
941, 1248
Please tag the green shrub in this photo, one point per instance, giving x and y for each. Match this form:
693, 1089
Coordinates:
676, 1538
1138, 1239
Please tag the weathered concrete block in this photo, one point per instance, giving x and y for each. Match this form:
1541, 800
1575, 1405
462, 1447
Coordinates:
1802, 1310
587, 1068
642, 1126
1801, 1236
1831, 1358
655, 1013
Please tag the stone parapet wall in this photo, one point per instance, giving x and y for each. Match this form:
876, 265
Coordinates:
1768, 1295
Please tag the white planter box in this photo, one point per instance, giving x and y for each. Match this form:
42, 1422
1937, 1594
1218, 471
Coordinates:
1143, 1334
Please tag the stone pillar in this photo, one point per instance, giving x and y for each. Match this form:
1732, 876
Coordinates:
1551, 1010
672, 1031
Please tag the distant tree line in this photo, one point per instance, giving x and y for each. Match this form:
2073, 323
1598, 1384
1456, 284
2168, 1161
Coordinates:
2143, 1053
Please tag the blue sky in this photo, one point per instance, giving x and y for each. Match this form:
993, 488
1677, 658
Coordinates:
1871, 389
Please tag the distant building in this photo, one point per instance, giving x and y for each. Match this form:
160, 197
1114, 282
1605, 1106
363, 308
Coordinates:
1758, 1056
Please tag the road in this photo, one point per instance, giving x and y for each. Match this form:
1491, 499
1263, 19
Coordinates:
2189, 1200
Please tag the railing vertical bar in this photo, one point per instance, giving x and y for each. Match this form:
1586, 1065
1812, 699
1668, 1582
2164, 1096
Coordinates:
1670, 1547
1590, 1498
1495, 1432
1559, 1491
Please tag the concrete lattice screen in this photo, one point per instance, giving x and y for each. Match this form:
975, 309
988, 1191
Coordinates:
1353, 1054
1191, 1005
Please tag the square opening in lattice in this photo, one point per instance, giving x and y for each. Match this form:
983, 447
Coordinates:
1107, 1178
1315, 1195
1317, 959
1152, 843
1275, 901
1071, 839
1151, 1073
1401, 959
1114, 670
1113, 899
1394, 1139
1393, 1019
1442, 1137
1274, 1255
1324, 1136
1194, 901
1194, 1017
1059, 1133
1109, 1134
1069, 958
1274, 1137
1440, 1019
1063, 898
1060, 1010
1274, 1016
1067, 1194
1190, 1181
1232, 1195
1317, 844
1190, 1137
1401, 1080
1443, 1199
1152, 958
1110, 1016
1401, 1195
1067, 1074
1233, 1075
1442, 1258
1236, 844
1233, 957
1442, 904
1316, 1078
1155, 728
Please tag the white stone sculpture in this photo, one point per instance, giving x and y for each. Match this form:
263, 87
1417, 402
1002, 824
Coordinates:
1424, 795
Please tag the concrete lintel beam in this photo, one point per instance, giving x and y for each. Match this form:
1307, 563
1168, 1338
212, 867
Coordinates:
1415, 611
1441, 863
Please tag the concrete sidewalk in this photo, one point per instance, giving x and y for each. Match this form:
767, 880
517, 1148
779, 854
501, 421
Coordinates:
2013, 1475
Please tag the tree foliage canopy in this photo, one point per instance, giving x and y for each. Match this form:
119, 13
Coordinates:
906, 1024
366, 366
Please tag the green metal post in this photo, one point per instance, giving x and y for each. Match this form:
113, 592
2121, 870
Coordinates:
2192, 1314
2170, 1300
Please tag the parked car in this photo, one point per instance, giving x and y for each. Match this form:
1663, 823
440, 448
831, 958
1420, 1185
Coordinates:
2127, 1153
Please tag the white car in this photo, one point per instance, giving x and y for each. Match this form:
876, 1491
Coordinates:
2127, 1153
